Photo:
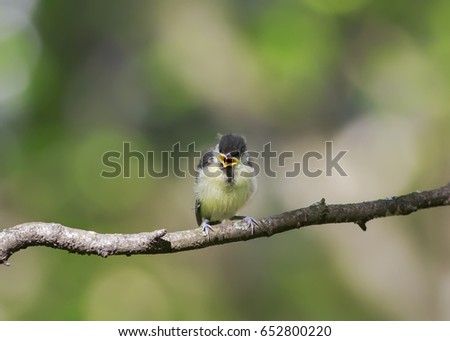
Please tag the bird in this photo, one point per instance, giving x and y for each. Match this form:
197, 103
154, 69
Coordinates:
224, 182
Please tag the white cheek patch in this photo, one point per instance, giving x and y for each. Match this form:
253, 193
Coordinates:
212, 172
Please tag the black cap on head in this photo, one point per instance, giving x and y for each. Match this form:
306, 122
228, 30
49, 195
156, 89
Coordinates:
232, 144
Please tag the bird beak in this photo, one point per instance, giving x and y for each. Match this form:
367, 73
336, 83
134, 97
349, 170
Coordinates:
228, 161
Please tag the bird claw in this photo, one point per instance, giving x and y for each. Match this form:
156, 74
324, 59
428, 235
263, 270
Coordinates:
249, 221
206, 227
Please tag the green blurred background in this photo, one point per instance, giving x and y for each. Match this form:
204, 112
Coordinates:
79, 78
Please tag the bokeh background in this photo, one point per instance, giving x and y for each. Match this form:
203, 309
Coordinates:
79, 78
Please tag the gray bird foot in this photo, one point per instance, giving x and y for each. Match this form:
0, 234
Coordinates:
249, 222
206, 227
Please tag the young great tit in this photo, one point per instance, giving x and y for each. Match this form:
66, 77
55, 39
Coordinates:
224, 182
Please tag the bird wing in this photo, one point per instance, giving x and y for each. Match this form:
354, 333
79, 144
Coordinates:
198, 214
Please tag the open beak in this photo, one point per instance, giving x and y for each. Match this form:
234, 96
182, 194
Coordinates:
228, 161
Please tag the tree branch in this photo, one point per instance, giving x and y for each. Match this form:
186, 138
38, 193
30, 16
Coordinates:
87, 242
